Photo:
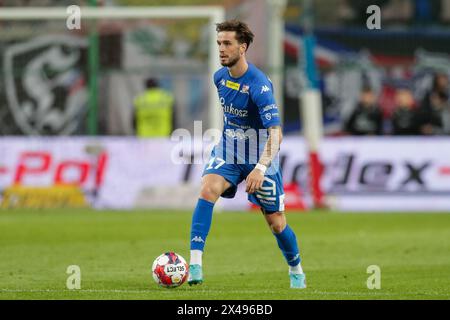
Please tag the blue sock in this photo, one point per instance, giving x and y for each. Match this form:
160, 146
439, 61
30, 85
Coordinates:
201, 222
287, 242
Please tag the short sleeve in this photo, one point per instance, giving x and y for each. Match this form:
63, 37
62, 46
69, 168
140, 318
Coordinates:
217, 77
262, 96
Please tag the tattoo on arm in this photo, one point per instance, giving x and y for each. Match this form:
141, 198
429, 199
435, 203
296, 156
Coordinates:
272, 145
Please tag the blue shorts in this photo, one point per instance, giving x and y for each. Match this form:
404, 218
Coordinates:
270, 197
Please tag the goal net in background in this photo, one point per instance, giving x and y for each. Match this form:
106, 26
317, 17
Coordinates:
57, 81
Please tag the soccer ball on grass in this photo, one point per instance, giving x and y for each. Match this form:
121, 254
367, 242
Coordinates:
170, 270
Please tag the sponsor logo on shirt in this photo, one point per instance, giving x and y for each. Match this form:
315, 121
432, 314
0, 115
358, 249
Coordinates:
240, 134
231, 110
232, 85
269, 107
235, 111
230, 123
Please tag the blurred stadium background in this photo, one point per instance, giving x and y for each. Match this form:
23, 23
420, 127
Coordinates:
68, 101
70, 119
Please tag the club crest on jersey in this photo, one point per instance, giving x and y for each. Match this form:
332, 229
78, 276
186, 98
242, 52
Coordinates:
232, 85
245, 89
222, 82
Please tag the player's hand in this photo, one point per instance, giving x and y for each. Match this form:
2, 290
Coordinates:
254, 181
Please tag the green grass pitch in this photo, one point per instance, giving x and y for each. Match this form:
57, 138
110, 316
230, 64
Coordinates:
115, 251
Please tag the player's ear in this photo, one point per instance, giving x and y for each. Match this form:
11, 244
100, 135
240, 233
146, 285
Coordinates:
242, 48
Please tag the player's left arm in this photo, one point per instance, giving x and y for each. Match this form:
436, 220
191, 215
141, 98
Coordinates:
262, 95
272, 146
255, 179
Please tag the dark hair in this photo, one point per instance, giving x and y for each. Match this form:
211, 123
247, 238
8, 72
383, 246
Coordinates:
151, 83
436, 77
366, 88
243, 32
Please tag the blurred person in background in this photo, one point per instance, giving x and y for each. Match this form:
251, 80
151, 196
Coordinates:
435, 107
154, 111
427, 11
366, 118
405, 118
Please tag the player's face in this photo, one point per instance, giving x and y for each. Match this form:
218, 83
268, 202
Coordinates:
230, 50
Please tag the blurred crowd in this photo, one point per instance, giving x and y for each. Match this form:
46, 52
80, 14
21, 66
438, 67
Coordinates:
342, 54
409, 12
429, 116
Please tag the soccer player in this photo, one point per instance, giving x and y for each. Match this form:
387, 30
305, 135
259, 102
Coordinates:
247, 151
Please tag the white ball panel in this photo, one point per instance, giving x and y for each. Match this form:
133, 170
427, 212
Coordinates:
163, 259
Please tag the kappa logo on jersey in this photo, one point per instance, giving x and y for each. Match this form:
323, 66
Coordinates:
197, 239
222, 82
232, 85
264, 89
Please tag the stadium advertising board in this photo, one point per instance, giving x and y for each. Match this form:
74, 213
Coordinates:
360, 174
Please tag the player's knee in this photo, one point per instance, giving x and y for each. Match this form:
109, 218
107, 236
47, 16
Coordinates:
209, 193
276, 222
277, 227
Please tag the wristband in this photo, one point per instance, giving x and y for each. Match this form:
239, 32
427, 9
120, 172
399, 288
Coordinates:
261, 167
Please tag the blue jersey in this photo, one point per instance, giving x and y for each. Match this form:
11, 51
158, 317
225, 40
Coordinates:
249, 108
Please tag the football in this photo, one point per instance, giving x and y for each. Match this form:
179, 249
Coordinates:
170, 270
